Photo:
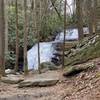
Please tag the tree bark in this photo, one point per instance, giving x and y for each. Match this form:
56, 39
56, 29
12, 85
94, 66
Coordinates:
2, 38
64, 33
6, 25
25, 38
90, 16
38, 30
79, 18
17, 34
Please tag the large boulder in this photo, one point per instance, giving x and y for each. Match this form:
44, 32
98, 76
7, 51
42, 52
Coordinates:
12, 79
45, 79
73, 70
38, 82
48, 66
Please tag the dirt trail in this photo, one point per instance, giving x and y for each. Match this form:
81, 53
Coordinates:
83, 86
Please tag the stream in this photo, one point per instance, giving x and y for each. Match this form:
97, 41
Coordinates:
47, 49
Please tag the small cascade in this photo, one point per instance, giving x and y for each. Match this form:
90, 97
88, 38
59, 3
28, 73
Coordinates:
70, 35
48, 49
46, 53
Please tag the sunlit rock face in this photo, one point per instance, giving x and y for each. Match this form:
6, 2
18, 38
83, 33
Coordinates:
47, 49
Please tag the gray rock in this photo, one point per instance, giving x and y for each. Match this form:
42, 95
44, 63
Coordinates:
60, 53
12, 79
48, 66
67, 52
38, 82
45, 79
73, 70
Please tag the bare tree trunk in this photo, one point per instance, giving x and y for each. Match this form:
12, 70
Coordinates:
2, 38
38, 12
79, 18
94, 16
25, 38
6, 25
74, 7
64, 32
17, 40
39, 53
90, 16
34, 16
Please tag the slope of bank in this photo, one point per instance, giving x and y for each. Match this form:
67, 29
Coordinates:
85, 50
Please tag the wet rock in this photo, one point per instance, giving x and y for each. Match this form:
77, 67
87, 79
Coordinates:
57, 61
59, 53
48, 65
12, 79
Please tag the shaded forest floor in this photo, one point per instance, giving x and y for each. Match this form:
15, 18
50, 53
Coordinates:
83, 86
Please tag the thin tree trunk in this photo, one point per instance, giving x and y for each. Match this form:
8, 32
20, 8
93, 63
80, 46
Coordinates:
6, 25
39, 53
2, 38
34, 16
79, 18
17, 40
25, 38
39, 30
95, 16
36, 19
74, 7
64, 32
90, 16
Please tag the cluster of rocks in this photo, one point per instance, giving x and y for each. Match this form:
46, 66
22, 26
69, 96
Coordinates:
73, 48
57, 58
48, 78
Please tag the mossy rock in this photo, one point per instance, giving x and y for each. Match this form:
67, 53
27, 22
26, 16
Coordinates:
88, 53
73, 70
48, 66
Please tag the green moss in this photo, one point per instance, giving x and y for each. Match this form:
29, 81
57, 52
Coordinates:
73, 70
90, 52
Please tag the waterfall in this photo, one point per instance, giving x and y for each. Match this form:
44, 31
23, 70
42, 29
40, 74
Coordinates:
47, 48
46, 53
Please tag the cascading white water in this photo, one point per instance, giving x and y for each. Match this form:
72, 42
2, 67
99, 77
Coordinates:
46, 53
47, 48
70, 35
